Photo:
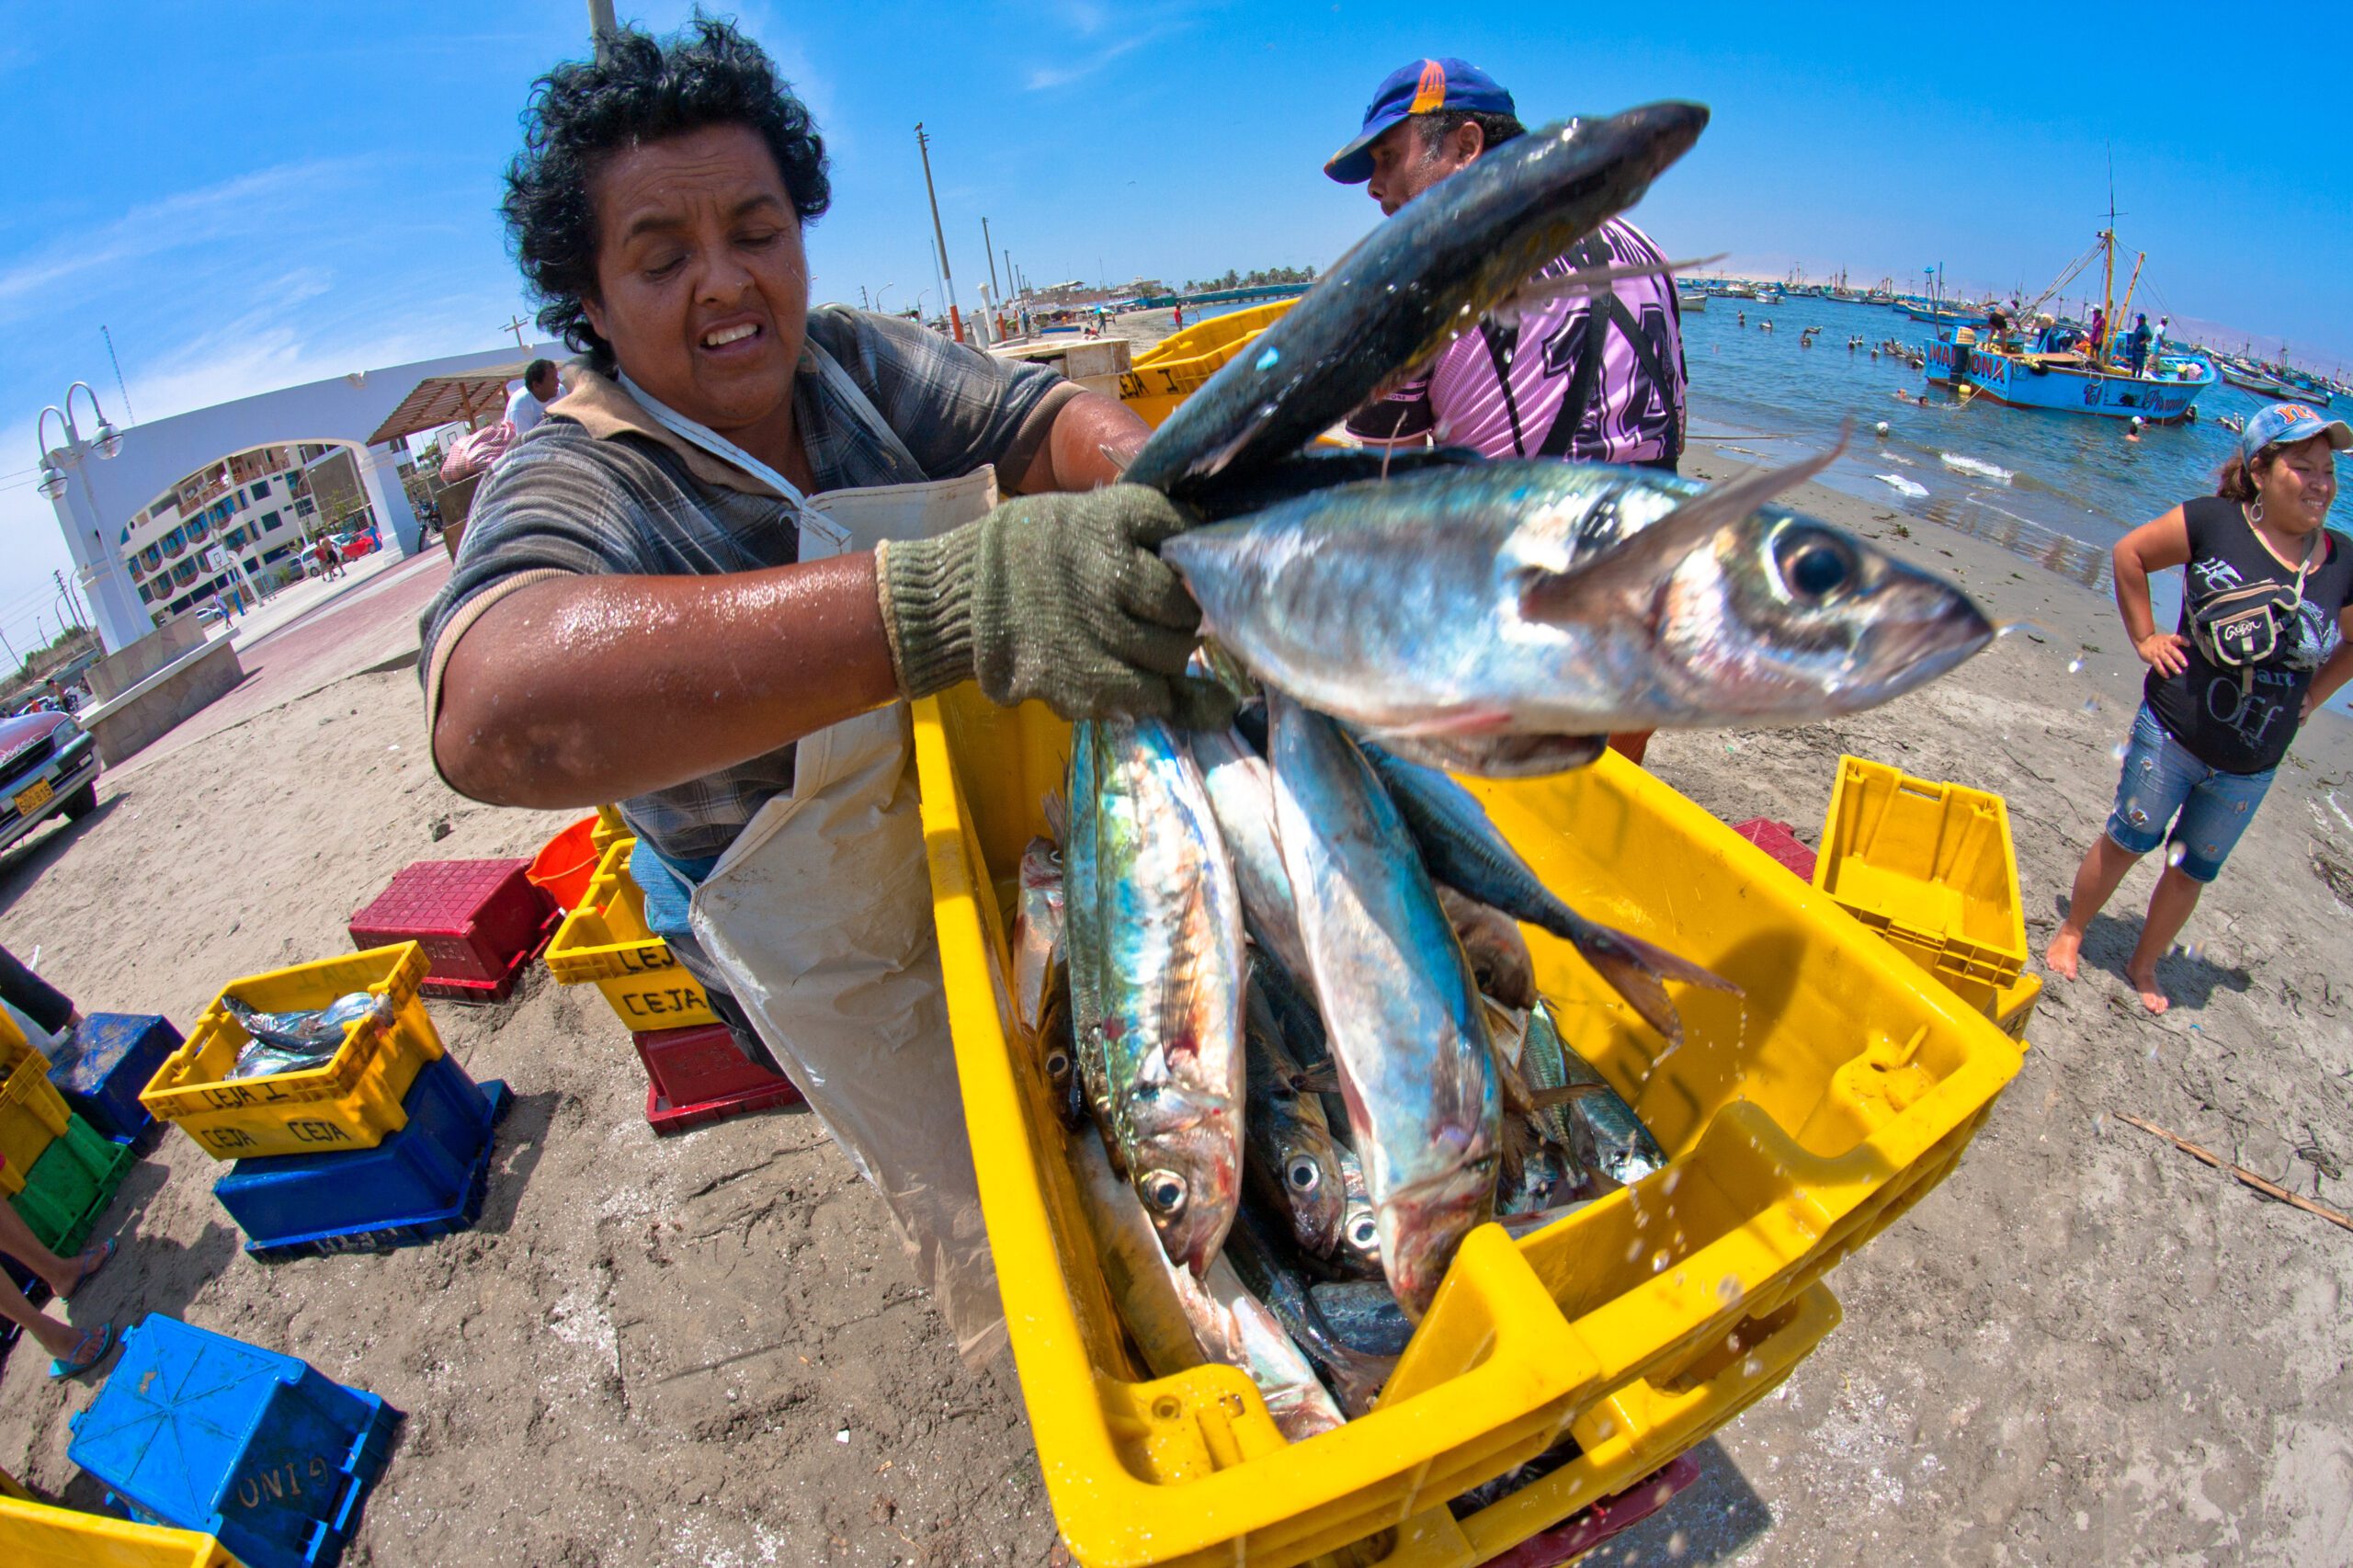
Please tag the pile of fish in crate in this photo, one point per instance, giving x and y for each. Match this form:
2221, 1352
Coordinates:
1276, 973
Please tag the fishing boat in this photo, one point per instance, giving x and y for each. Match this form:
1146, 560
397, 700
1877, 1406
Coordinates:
1691, 300
2059, 370
1945, 316
1740, 291
2262, 383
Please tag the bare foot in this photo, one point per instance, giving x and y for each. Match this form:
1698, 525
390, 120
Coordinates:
2062, 953
2153, 996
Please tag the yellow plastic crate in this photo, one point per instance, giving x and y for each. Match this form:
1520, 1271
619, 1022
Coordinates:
1930, 866
1173, 369
606, 941
32, 1113
33, 1535
350, 1103
609, 829
2012, 1006
1800, 1118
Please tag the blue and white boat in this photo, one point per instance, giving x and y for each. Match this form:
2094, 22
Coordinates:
2054, 375
2061, 371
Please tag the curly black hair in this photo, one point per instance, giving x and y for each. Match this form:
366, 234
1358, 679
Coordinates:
640, 90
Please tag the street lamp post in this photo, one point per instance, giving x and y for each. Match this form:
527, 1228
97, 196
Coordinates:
117, 606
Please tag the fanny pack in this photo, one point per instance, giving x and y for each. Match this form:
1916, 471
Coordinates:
2241, 628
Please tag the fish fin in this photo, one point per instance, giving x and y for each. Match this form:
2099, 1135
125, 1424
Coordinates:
1120, 454
1538, 291
1637, 970
1629, 572
1057, 815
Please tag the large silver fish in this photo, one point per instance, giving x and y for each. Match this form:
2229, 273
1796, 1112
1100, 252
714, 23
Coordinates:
1462, 606
295, 1042
1421, 278
1408, 1030
1243, 795
1169, 981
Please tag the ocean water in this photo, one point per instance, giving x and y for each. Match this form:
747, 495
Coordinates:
2056, 488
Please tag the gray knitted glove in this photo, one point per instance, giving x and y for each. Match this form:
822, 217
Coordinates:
1058, 597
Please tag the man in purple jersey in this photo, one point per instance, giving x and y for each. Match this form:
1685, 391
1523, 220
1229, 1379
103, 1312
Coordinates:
1595, 378
1592, 378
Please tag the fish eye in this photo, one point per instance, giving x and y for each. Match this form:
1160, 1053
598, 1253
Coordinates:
1164, 1191
1364, 1232
1814, 563
1303, 1173
1058, 1064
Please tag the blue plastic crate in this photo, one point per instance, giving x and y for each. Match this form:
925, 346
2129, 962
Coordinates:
424, 1181
110, 1058
207, 1433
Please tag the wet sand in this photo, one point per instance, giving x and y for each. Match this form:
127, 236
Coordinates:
2085, 1347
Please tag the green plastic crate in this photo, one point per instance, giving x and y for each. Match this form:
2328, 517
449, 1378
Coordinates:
70, 1186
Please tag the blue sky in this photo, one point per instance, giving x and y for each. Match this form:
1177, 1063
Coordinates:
256, 194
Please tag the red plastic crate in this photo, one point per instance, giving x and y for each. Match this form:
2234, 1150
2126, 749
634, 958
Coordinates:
480, 922
698, 1077
1779, 840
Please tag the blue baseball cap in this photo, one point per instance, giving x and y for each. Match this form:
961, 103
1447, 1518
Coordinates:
2285, 424
1422, 87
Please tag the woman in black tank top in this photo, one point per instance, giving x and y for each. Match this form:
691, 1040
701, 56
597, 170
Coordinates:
2266, 637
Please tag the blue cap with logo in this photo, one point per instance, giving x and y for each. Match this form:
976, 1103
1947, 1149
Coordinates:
1423, 88
2285, 424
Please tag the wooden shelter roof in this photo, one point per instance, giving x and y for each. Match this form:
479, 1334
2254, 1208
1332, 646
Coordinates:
446, 399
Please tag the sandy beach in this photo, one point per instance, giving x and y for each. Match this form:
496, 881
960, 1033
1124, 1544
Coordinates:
2086, 1347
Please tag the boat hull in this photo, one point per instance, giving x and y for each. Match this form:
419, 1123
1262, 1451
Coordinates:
2017, 383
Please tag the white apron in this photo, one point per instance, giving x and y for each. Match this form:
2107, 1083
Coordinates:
819, 915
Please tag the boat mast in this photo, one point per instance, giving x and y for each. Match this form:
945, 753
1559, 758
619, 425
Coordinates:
2108, 252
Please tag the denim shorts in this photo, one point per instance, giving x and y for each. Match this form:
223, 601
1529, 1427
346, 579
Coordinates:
2164, 784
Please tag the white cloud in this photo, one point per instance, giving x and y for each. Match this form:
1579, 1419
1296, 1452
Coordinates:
191, 219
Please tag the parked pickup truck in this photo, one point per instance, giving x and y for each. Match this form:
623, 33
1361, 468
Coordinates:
48, 764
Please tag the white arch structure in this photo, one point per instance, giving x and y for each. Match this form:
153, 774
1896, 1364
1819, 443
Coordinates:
101, 495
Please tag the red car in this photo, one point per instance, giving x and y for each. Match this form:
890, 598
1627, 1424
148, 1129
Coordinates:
48, 765
352, 546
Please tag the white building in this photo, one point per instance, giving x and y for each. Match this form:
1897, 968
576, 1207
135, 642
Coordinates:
258, 504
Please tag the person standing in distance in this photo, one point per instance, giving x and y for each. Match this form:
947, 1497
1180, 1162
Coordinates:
2266, 637
529, 404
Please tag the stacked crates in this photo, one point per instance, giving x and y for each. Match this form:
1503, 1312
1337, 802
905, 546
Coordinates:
60, 1171
606, 942
386, 1144
201, 1432
696, 1073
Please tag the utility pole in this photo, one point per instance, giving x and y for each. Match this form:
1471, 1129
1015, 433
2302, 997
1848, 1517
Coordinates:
73, 604
946, 277
988, 249
1009, 271
601, 25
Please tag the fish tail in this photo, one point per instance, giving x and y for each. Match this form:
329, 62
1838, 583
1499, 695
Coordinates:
1637, 970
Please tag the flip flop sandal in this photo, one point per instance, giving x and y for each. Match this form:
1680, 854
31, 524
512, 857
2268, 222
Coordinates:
106, 1256
84, 1354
